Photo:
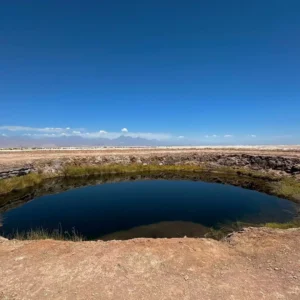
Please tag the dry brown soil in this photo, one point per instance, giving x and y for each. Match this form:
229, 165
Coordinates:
21, 158
258, 263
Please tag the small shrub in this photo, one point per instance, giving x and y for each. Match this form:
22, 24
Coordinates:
287, 187
71, 171
44, 234
292, 224
8, 185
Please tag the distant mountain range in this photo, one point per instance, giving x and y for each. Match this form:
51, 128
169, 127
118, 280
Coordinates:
77, 141
74, 141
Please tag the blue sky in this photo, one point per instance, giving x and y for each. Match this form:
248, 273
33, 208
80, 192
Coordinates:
207, 71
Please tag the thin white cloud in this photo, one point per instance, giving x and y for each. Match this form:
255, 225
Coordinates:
56, 132
101, 134
25, 128
109, 135
67, 131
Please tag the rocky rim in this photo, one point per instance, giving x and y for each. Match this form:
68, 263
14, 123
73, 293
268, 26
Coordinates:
50, 162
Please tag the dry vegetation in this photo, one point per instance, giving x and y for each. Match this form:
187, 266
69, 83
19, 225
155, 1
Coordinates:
286, 187
10, 184
32, 179
44, 234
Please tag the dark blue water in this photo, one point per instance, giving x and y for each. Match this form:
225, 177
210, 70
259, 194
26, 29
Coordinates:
103, 210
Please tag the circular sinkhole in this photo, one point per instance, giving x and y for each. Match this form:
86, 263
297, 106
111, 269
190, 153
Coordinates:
147, 208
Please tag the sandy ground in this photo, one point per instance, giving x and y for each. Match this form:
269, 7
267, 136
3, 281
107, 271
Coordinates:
21, 158
253, 264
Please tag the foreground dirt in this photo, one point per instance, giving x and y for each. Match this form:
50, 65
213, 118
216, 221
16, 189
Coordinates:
258, 263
